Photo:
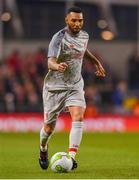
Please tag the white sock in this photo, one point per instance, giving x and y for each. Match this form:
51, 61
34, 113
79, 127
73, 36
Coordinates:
75, 137
44, 137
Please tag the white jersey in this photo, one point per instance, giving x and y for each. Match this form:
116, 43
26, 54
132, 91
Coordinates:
70, 49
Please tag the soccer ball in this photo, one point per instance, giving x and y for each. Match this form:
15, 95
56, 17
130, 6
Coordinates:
61, 162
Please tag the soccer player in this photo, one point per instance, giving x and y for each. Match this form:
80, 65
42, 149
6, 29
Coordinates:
63, 84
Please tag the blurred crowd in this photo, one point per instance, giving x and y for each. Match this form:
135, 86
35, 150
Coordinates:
21, 82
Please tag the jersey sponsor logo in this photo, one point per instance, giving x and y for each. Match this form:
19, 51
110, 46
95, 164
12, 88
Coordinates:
72, 46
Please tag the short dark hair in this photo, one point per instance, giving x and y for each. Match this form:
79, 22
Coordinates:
75, 9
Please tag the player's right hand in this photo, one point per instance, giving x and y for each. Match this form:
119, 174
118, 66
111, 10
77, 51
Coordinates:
62, 67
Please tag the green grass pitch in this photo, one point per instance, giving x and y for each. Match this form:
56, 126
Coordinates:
101, 155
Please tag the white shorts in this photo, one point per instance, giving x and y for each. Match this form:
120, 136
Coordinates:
55, 101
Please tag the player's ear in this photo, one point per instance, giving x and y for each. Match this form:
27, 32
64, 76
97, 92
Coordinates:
66, 20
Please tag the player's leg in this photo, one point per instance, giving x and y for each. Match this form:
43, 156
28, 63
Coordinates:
76, 132
52, 107
76, 105
45, 135
46, 132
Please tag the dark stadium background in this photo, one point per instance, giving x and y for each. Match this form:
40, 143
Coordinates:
25, 30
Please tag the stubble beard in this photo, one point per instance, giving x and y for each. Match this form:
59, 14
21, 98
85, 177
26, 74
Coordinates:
74, 32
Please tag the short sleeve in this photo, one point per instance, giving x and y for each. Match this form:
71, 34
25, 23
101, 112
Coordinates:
55, 45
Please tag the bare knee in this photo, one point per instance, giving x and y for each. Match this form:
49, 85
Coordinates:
77, 113
77, 116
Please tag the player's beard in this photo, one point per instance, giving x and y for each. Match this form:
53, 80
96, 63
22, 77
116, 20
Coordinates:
74, 31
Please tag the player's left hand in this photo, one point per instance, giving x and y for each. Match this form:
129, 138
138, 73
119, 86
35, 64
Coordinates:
100, 70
